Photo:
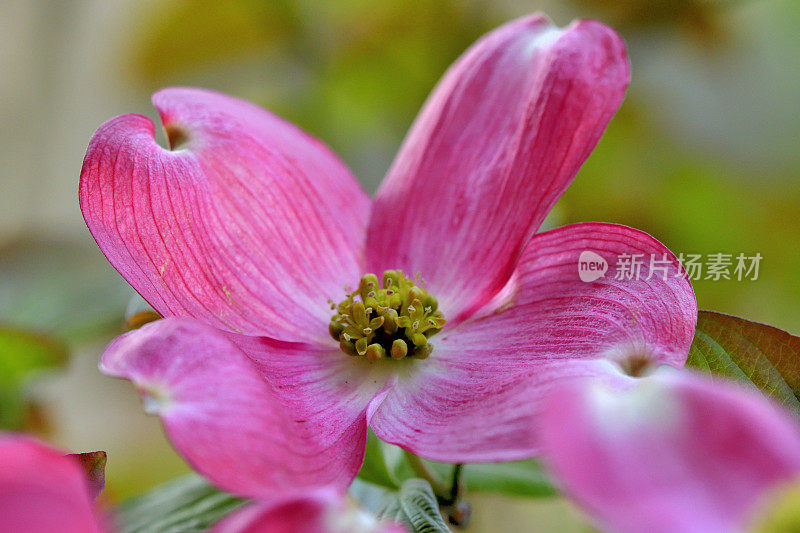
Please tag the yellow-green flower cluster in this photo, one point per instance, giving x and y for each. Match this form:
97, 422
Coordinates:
393, 317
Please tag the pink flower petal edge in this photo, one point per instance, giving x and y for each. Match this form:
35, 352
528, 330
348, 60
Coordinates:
247, 223
498, 141
477, 396
228, 421
675, 452
42, 490
321, 511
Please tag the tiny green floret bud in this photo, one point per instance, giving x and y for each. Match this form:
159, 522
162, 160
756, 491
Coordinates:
375, 351
393, 317
399, 349
335, 329
422, 352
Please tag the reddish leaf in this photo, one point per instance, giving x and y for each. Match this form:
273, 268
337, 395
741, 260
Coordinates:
761, 355
95, 465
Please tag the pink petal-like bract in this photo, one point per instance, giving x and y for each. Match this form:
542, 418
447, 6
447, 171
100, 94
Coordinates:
475, 397
674, 452
247, 224
498, 141
42, 490
244, 433
321, 511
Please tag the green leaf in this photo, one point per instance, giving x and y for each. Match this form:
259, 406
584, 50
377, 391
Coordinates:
386, 465
414, 506
760, 355
187, 504
382, 463
369, 495
780, 512
22, 355
520, 478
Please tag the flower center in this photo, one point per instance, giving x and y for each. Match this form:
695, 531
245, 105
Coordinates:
393, 318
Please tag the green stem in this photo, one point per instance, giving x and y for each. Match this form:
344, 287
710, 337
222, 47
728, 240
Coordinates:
447, 493
423, 471
457, 510
457, 483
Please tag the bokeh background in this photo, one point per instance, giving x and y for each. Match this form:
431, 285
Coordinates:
704, 155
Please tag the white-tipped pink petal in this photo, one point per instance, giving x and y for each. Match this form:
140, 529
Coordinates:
673, 453
42, 490
247, 223
476, 397
228, 421
500, 138
318, 512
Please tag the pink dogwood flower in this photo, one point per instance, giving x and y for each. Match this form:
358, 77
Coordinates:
673, 452
43, 490
266, 372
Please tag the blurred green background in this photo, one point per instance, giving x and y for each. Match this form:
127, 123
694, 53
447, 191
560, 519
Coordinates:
703, 155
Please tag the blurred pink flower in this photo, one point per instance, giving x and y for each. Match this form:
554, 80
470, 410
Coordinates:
243, 231
319, 511
43, 490
674, 452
